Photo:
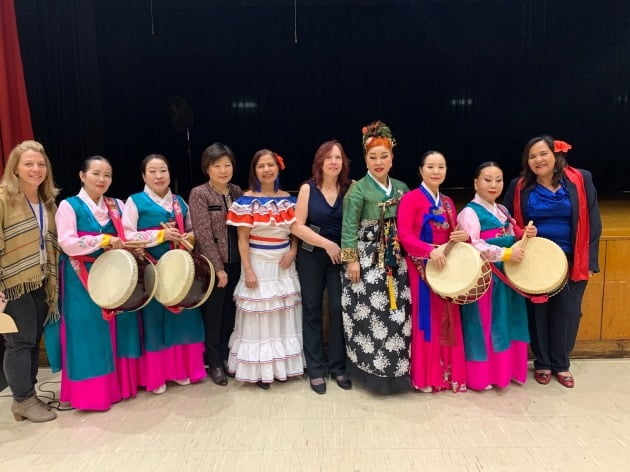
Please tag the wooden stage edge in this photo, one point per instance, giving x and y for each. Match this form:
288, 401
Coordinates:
601, 349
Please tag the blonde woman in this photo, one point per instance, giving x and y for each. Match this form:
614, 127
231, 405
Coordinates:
28, 281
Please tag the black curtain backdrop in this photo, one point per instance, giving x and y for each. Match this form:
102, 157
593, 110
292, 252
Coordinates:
474, 79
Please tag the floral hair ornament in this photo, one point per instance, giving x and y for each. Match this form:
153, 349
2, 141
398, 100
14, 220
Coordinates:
378, 129
280, 161
561, 146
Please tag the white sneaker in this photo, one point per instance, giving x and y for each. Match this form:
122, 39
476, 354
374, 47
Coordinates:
185, 381
426, 389
488, 387
160, 390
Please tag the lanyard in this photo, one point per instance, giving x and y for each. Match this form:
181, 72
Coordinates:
40, 221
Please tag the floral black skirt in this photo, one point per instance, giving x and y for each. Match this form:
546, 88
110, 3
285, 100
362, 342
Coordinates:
377, 335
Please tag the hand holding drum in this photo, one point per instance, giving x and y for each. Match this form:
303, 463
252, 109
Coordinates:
463, 278
173, 234
518, 250
438, 256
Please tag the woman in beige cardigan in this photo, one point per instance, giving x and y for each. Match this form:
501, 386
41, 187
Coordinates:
28, 270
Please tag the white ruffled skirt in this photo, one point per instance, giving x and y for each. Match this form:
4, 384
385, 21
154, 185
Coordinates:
266, 343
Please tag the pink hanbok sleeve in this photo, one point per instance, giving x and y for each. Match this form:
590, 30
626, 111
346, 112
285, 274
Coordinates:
469, 222
188, 227
130, 223
409, 218
69, 240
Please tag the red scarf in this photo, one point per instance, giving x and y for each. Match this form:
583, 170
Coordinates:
579, 270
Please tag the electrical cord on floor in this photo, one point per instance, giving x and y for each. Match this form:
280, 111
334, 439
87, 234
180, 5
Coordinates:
50, 397
52, 402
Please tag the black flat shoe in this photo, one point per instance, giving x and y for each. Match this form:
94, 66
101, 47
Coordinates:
218, 376
318, 388
263, 385
343, 382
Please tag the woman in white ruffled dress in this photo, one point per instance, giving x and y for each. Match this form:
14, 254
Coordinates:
267, 340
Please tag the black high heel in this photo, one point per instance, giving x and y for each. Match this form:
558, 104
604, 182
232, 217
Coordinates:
263, 385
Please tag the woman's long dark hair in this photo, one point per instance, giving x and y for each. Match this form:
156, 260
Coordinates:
526, 173
254, 183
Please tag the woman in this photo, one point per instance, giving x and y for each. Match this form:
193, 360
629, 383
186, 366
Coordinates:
426, 218
28, 280
562, 202
99, 357
173, 342
318, 223
495, 326
267, 340
375, 296
218, 242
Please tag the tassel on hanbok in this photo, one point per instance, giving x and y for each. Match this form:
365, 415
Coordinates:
390, 290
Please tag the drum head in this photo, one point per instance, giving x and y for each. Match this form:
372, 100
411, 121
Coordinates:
175, 275
543, 269
463, 268
112, 278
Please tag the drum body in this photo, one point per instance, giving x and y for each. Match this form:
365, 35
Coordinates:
464, 279
185, 280
543, 270
118, 281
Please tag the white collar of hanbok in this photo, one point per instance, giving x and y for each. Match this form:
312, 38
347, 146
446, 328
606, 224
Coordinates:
99, 210
388, 189
436, 198
165, 202
491, 207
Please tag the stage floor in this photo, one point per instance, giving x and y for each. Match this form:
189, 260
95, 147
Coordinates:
289, 428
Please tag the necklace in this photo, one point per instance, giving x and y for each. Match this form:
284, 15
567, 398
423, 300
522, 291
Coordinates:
227, 197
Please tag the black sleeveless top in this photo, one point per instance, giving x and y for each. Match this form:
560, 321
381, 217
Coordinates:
326, 217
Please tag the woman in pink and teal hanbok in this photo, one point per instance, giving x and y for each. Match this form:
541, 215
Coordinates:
173, 342
99, 354
495, 327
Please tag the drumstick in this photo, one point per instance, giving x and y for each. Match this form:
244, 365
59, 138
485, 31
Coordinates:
450, 244
131, 244
181, 241
525, 238
134, 244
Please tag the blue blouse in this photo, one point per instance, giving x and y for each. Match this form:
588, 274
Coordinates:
551, 212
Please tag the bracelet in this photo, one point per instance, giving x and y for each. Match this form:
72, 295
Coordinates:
349, 255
